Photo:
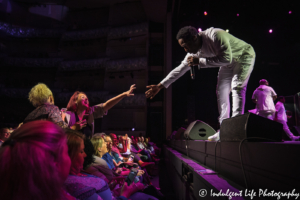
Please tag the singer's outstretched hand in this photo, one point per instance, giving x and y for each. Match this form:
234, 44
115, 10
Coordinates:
153, 90
193, 61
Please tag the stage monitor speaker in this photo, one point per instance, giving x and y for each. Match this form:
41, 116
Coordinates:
198, 130
249, 125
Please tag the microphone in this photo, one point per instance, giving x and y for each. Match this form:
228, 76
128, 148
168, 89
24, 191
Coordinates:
192, 70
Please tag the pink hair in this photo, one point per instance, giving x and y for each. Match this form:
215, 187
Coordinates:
28, 161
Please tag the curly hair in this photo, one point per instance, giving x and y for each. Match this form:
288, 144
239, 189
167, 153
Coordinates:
187, 33
89, 151
39, 94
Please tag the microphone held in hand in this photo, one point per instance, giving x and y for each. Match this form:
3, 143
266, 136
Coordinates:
192, 70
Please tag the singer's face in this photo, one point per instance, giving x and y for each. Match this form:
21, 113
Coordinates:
190, 46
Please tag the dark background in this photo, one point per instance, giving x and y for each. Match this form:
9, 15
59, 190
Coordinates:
277, 53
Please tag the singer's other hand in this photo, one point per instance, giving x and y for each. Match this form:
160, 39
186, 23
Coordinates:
193, 61
153, 90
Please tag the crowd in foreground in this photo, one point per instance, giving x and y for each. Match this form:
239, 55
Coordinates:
40, 160
54, 154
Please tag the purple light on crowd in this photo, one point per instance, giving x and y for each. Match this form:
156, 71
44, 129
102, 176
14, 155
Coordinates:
290, 12
199, 29
270, 31
238, 14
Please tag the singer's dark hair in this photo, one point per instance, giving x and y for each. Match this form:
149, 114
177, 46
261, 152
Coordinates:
187, 33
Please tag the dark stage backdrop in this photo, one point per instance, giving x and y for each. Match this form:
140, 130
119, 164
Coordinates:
276, 53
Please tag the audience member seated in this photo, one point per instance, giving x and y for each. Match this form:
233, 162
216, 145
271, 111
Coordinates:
136, 158
156, 148
135, 149
96, 149
92, 168
95, 165
147, 145
80, 116
119, 144
100, 148
88, 187
144, 150
98, 142
150, 149
4, 134
112, 158
42, 98
34, 163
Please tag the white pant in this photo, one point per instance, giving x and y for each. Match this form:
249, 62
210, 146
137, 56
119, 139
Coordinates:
286, 129
233, 78
267, 115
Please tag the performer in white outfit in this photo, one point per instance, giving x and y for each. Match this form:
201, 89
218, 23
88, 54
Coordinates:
280, 116
264, 97
215, 48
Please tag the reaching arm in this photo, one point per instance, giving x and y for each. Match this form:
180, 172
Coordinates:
177, 72
113, 101
153, 90
274, 97
169, 79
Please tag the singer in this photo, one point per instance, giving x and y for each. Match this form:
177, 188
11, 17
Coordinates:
215, 48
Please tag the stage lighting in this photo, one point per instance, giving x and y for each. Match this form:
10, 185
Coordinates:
238, 14
227, 30
270, 31
199, 29
205, 13
290, 12
133, 129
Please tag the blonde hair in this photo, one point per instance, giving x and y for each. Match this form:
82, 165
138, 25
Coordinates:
28, 162
97, 142
39, 94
